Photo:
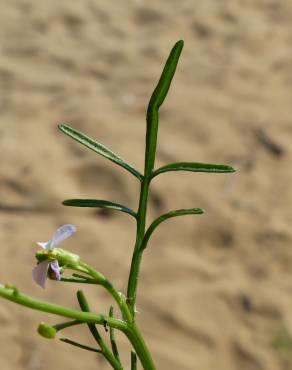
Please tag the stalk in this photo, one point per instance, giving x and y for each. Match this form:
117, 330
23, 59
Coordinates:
12, 294
152, 120
129, 329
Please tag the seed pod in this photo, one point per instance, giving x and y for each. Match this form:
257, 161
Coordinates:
46, 330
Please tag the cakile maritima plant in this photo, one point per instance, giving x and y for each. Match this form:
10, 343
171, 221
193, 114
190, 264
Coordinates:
61, 265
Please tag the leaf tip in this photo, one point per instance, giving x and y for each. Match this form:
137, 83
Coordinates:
198, 211
231, 169
180, 44
62, 126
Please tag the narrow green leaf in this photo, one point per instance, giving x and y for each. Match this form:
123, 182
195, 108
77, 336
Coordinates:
85, 308
168, 72
82, 301
157, 98
79, 345
102, 344
79, 276
67, 324
193, 167
78, 280
98, 203
175, 213
98, 148
113, 338
133, 360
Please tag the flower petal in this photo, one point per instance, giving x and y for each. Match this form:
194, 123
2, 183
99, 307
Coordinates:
39, 273
45, 245
56, 268
61, 234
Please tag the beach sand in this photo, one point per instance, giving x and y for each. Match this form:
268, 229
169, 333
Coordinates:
215, 290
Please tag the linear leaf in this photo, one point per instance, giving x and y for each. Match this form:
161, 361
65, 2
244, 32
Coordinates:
175, 213
85, 308
133, 360
102, 344
113, 338
98, 203
168, 72
194, 167
98, 148
67, 324
157, 98
79, 280
82, 346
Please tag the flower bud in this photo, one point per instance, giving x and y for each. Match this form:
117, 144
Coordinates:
64, 257
42, 255
46, 330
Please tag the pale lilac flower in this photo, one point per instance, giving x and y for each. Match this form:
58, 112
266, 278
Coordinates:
40, 271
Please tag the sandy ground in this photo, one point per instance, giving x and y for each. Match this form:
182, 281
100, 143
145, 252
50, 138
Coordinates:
215, 290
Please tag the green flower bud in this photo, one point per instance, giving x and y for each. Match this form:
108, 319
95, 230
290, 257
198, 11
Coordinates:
46, 330
64, 257
42, 255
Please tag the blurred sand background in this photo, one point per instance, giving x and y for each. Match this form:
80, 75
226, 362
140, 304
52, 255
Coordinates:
215, 290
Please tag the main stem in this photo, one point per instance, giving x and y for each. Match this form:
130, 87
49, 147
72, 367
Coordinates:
137, 255
140, 347
151, 142
111, 289
152, 119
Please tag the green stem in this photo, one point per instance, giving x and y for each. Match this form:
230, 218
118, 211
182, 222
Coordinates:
12, 294
152, 120
79, 280
137, 255
113, 337
140, 347
133, 281
129, 329
104, 348
118, 297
